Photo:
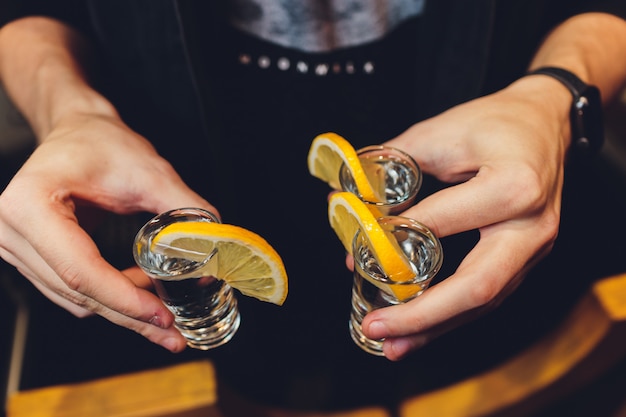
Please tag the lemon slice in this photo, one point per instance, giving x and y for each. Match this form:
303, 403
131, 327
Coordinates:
243, 259
347, 214
328, 151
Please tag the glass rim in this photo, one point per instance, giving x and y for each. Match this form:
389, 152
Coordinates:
401, 156
402, 222
161, 220
184, 211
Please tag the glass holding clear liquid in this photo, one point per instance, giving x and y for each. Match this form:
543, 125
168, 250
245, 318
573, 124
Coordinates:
205, 308
372, 289
393, 173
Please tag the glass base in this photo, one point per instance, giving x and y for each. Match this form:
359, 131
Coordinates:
205, 338
208, 319
362, 291
375, 347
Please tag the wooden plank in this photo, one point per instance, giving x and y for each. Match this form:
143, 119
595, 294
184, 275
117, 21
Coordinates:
589, 341
185, 390
233, 404
361, 412
611, 292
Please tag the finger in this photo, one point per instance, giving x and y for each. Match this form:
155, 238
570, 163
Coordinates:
169, 338
138, 277
450, 161
62, 249
350, 262
26, 272
396, 348
173, 193
157, 329
490, 272
54, 297
494, 195
18, 254
48, 283
153, 187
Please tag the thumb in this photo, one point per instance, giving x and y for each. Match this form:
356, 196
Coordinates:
138, 277
172, 192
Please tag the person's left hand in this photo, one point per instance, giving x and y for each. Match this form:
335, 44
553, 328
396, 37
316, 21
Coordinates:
505, 154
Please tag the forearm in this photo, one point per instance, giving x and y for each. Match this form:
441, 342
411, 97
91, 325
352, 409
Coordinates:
41, 67
593, 46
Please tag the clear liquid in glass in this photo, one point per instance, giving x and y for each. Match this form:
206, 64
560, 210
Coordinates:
204, 308
394, 176
372, 289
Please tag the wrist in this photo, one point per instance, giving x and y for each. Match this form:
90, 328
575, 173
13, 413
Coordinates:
547, 100
41, 66
62, 94
585, 112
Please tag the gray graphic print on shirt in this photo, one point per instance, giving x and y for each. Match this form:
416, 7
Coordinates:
321, 25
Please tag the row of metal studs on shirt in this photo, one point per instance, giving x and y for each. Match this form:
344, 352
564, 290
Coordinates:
303, 67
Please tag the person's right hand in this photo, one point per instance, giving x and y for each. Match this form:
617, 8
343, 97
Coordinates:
90, 161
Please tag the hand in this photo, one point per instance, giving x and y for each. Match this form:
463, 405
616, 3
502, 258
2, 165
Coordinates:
90, 161
505, 153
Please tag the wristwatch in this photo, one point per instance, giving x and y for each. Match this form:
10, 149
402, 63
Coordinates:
586, 118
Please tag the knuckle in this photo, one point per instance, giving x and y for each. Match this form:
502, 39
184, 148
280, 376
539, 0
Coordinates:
8, 208
431, 222
546, 235
525, 187
483, 293
163, 167
550, 226
73, 279
79, 300
83, 303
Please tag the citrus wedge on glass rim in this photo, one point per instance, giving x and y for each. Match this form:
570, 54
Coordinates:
242, 258
347, 214
327, 153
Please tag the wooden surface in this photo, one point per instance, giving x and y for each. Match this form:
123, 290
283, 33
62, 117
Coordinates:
234, 405
187, 390
589, 341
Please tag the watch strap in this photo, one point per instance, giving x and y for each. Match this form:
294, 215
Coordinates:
574, 84
587, 125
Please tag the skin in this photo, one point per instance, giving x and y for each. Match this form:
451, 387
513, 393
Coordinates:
87, 157
508, 170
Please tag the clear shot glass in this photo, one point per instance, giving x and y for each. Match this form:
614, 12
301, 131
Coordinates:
372, 289
205, 308
391, 171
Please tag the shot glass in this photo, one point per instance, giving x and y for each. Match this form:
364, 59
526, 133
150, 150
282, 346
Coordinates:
372, 289
391, 171
205, 308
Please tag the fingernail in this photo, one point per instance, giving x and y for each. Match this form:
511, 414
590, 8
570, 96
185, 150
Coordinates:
171, 344
377, 330
156, 321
